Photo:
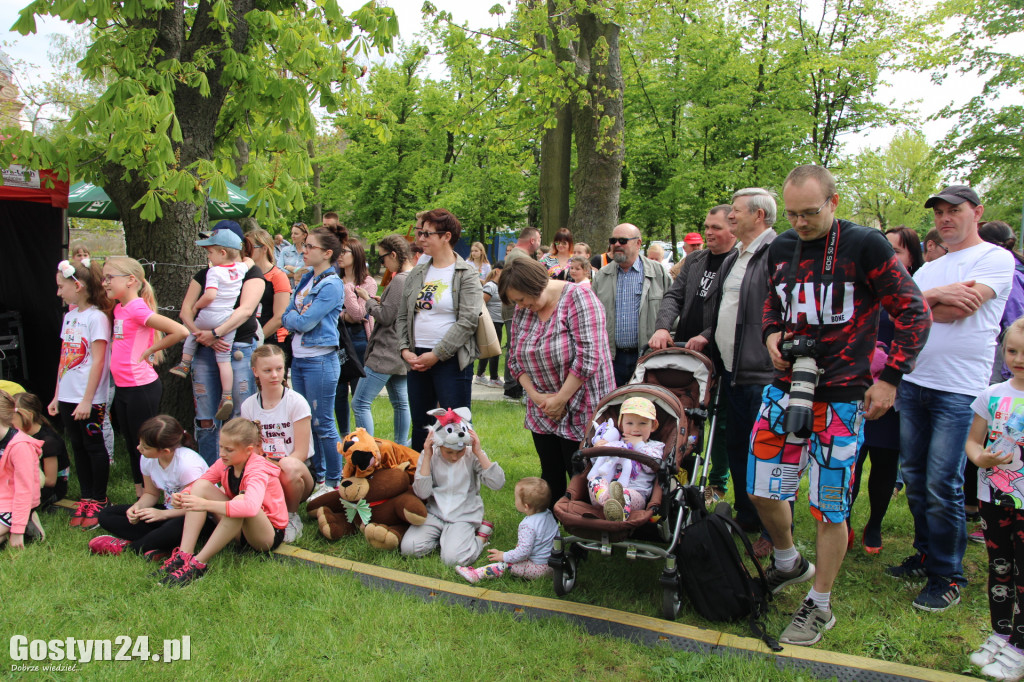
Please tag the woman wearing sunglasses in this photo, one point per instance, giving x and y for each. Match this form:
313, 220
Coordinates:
437, 322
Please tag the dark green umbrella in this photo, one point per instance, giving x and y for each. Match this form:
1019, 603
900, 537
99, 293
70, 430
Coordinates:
86, 200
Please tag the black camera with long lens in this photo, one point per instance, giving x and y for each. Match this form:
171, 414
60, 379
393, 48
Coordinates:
803, 352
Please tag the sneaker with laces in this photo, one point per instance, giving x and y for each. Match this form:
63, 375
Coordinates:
157, 555
809, 623
802, 572
173, 563
107, 544
180, 370
1008, 664
319, 489
189, 570
911, 567
938, 595
496, 383
977, 535
293, 531
91, 514
227, 407
762, 547
986, 653
34, 528
79, 513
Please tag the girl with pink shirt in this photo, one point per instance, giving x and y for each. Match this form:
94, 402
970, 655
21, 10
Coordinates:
19, 479
139, 338
80, 398
249, 505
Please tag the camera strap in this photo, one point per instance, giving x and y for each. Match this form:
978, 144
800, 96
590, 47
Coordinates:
828, 269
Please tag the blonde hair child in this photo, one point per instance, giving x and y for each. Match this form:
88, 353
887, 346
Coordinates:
140, 336
529, 558
19, 479
249, 505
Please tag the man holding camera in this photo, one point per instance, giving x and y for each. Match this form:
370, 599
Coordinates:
828, 278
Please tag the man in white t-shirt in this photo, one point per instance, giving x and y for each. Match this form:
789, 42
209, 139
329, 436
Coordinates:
966, 290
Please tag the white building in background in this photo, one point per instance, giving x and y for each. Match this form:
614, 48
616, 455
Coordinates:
11, 108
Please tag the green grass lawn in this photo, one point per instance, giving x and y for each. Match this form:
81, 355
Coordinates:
255, 618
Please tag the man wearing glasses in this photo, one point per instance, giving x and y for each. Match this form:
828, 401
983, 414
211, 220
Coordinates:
630, 288
828, 278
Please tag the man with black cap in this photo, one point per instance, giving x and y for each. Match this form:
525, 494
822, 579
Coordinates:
966, 290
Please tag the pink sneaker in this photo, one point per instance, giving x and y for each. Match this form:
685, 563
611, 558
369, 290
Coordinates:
469, 573
107, 544
977, 535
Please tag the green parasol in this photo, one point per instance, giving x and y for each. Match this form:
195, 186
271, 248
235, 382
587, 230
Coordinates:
86, 200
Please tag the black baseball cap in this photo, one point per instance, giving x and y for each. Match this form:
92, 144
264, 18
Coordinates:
954, 194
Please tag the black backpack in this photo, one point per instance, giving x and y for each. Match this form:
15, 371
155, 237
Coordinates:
714, 575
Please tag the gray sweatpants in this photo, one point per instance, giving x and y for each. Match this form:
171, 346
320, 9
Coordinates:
460, 545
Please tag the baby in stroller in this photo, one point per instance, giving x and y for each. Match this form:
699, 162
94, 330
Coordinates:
620, 484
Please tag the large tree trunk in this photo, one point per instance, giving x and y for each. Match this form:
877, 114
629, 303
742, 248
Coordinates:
599, 132
555, 164
171, 238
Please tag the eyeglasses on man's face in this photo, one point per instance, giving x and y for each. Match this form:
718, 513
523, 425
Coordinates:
791, 216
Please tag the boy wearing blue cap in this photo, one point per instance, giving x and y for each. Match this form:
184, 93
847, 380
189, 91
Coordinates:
223, 285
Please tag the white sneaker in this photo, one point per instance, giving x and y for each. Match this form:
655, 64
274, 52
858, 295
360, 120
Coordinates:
480, 381
1007, 665
293, 531
986, 653
496, 383
319, 489
34, 528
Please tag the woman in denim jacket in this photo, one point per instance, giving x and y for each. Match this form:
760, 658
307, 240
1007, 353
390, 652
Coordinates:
437, 323
312, 316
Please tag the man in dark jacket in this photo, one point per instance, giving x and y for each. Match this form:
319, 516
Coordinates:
747, 369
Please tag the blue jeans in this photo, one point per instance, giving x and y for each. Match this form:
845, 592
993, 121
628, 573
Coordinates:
368, 389
443, 385
316, 379
345, 387
933, 430
624, 364
206, 390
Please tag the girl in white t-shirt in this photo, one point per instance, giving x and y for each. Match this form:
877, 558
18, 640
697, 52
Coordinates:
80, 397
136, 345
169, 464
286, 429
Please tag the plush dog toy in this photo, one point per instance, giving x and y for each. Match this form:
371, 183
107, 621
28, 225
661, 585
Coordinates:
452, 427
365, 454
382, 504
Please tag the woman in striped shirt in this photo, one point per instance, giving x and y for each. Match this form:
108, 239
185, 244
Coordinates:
558, 352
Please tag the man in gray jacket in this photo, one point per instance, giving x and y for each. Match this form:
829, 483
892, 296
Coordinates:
747, 365
630, 289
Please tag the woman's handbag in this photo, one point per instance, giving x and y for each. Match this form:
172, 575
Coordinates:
486, 338
351, 363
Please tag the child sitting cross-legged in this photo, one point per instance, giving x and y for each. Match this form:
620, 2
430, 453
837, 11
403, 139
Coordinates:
529, 558
451, 469
249, 506
620, 484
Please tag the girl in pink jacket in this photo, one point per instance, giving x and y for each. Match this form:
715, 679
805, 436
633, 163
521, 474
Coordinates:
249, 506
19, 479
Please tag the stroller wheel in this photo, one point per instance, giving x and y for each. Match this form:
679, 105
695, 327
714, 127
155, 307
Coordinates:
671, 597
564, 576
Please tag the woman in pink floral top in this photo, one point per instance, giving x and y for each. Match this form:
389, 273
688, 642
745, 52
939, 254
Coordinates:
558, 352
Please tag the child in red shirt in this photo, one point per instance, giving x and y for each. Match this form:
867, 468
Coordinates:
249, 506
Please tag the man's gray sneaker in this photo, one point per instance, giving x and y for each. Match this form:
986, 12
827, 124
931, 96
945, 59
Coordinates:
777, 579
809, 623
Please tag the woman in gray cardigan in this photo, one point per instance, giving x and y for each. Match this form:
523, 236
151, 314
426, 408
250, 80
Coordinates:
383, 366
437, 323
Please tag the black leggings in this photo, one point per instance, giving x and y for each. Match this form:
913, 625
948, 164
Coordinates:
555, 455
92, 463
885, 464
481, 365
132, 406
162, 535
1004, 528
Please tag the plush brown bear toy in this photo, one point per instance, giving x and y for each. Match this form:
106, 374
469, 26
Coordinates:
382, 504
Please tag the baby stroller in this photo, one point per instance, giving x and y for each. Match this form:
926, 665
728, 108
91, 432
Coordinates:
679, 383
